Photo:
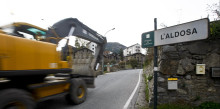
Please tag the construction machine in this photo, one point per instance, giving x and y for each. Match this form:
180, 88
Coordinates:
34, 67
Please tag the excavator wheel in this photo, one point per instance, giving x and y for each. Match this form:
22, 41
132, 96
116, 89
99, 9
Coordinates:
16, 99
77, 92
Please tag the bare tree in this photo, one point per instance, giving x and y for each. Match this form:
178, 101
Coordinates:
214, 11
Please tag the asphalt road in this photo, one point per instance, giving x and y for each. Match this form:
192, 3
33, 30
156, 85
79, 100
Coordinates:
113, 91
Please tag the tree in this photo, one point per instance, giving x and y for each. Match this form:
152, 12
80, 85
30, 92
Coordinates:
134, 63
214, 30
213, 10
121, 54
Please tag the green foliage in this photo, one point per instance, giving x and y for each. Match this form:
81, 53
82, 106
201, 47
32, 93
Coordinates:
121, 64
106, 72
146, 88
134, 63
128, 66
149, 77
149, 57
205, 105
209, 105
174, 106
113, 62
106, 62
214, 30
121, 54
146, 62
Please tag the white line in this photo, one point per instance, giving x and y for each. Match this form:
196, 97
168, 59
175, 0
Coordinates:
132, 95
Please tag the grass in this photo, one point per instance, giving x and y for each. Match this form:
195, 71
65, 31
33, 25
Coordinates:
128, 66
146, 88
106, 72
205, 105
174, 106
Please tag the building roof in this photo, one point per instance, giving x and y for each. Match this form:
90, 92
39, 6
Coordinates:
133, 45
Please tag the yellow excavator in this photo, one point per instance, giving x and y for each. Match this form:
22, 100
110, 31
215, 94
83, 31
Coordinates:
32, 69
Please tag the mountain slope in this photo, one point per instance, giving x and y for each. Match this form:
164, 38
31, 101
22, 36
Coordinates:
114, 47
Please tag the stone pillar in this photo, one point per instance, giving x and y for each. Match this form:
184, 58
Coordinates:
108, 68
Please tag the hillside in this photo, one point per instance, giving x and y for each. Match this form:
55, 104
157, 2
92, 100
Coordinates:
114, 47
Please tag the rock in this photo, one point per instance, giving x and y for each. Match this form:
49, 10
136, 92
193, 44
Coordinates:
182, 48
160, 90
185, 54
211, 89
188, 77
160, 79
181, 91
199, 47
163, 57
212, 60
180, 70
169, 48
197, 57
215, 46
187, 64
168, 66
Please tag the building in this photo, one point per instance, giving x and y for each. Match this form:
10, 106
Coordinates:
136, 48
110, 57
138, 56
92, 46
134, 52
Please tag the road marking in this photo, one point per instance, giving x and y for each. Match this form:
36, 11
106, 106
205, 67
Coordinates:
132, 95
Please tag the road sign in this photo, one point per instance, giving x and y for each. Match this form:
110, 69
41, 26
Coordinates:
191, 31
147, 39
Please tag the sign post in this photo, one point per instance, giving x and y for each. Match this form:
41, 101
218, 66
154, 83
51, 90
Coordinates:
155, 68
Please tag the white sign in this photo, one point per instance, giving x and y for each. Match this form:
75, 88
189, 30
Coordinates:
200, 68
195, 30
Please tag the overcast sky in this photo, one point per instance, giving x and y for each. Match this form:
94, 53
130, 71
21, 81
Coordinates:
130, 18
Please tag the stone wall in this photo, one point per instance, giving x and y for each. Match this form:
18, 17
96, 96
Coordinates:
179, 61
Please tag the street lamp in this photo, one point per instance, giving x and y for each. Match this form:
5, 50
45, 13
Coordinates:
108, 31
102, 55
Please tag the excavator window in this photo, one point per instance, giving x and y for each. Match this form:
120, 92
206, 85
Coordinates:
25, 30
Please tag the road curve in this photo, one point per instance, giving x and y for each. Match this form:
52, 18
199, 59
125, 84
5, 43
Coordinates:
112, 91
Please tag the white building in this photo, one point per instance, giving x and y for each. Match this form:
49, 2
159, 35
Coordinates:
92, 46
136, 48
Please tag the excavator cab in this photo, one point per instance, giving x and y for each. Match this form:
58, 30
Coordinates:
24, 30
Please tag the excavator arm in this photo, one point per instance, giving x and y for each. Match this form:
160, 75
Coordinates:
83, 63
73, 27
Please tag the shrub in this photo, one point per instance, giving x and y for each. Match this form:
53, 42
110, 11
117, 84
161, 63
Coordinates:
146, 88
174, 106
209, 105
121, 64
133, 63
150, 77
